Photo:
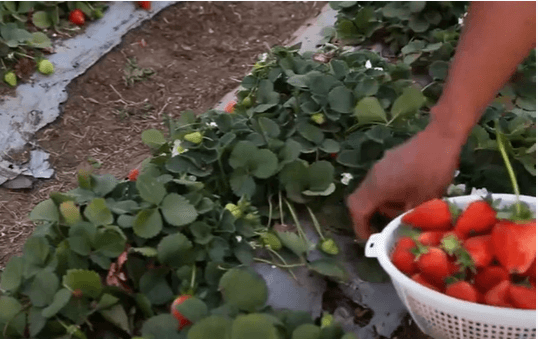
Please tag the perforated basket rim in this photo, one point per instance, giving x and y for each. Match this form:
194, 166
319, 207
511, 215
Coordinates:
470, 310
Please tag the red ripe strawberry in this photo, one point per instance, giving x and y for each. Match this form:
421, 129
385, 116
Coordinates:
421, 280
433, 215
181, 319
498, 295
514, 244
230, 107
133, 174
489, 277
478, 217
462, 290
453, 266
431, 238
480, 250
481, 298
531, 272
406, 243
77, 17
144, 5
522, 296
402, 257
334, 155
434, 265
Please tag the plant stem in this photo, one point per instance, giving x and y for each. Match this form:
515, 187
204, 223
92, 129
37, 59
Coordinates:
222, 175
511, 173
270, 213
280, 207
296, 220
193, 276
25, 55
281, 259
278, 265
316, 223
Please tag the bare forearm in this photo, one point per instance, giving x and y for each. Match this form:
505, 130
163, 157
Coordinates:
496, 38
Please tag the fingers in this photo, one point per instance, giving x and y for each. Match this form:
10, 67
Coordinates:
392, 210
361, 207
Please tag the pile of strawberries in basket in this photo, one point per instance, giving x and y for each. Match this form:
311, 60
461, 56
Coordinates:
478, 254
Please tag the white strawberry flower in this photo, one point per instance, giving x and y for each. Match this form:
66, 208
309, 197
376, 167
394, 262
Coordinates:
456, 173
212, 124
461, 20
177, 148
479, 191
238, 238
346, 178
368, 65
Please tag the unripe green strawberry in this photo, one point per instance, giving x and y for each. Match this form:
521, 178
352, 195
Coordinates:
327, 320
84, 179
97, 13
329, 246
45, 67
234, 209
194, 137
271, 240
70, 212
318, 118
247, 102
251, 217
11, 79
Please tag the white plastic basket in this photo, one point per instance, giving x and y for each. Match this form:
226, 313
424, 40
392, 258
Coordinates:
441, 316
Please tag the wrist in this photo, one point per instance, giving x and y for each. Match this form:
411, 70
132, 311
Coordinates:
453, 124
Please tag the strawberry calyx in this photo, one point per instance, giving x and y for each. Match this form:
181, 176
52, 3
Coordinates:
511, 213
408, 231
465, 260
419, 250
455, 211
451, 244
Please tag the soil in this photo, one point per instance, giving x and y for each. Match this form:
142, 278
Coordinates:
186, 58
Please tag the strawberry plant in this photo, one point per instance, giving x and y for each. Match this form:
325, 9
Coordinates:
120, 250
411, 28
26, 29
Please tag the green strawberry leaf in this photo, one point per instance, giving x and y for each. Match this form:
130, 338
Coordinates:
244, 288
177, 211
89, 282
214, 326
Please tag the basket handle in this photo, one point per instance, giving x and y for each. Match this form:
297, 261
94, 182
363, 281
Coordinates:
371, 246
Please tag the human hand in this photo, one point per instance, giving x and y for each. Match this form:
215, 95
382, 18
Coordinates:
414, 172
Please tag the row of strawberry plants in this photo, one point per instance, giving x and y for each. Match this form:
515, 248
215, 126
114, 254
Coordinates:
27, 27
109, 257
